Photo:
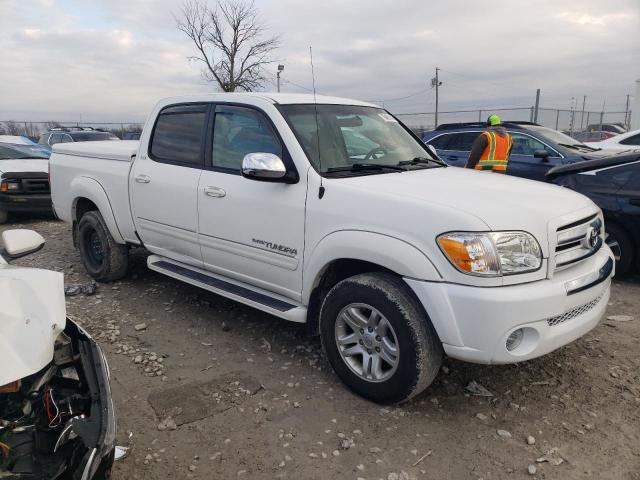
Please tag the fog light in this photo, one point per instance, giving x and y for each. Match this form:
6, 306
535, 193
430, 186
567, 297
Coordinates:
515, 339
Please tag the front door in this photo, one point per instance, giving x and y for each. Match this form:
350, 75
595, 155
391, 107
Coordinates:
164, 183
252, 231
523, 163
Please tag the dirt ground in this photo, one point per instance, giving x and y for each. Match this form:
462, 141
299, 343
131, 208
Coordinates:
210, 389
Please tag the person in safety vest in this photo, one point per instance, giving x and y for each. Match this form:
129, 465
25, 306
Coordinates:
490, 151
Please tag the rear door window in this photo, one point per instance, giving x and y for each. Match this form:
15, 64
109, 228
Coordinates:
178, 136
526, 145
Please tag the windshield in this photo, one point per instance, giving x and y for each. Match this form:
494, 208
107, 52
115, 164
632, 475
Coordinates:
16, 152
556, 136
351, 135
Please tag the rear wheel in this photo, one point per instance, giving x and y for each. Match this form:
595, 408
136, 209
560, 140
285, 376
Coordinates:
378, 338
621, 246
104, 259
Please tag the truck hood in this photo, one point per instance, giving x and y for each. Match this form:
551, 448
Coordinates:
32, 315
30, 165
502, 202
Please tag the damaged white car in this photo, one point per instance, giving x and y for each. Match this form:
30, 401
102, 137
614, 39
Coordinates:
56, 413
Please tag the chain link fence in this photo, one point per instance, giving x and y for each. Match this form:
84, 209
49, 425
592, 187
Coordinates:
558, 119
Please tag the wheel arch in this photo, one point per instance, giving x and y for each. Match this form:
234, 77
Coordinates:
344, 254
89, 195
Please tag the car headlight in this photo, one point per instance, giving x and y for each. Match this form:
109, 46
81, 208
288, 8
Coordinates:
9, 186
491, 254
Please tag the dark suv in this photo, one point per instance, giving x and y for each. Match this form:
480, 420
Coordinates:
613, 183
536, 149
74, 134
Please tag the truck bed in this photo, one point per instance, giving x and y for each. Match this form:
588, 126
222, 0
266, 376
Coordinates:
98, 167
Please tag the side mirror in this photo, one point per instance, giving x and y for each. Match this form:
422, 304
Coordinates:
542, 155
263, 166
19, 243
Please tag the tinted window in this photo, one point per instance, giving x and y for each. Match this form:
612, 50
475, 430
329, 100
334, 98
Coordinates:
66, 139
238, 131
178, 135
93, 136
455, 141
634, 180
633, 140
526, 145
440, 143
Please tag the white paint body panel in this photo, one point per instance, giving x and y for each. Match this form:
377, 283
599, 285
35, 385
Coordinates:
391, 220
32, 315
19, 165
613, 143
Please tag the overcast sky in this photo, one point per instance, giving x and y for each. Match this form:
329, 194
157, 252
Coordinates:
112, 59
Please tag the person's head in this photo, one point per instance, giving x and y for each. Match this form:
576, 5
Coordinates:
494, 120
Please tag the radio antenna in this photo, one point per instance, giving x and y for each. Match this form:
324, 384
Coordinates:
315, 107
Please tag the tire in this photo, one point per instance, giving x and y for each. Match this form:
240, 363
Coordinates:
103, 258
622, 248
4, 216
387, 300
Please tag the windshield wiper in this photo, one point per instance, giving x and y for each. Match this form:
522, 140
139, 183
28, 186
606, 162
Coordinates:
578, 146
424, 160
363, 167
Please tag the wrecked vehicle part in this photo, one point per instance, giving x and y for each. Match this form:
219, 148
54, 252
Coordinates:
58, 423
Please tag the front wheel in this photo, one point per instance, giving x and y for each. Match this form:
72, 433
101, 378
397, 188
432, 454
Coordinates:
378, 338
104, 259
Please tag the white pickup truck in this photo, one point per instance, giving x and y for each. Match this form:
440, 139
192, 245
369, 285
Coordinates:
333, 213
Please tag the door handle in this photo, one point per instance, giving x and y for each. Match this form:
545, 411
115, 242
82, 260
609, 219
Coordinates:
143, 179
215, 192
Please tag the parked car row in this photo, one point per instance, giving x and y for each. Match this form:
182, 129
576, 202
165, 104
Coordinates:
74, 134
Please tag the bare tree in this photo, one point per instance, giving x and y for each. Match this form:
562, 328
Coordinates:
13, 128
230, 42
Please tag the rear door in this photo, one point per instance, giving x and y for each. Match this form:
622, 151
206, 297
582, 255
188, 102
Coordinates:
250, 230
454, 147
523, 163
164, 183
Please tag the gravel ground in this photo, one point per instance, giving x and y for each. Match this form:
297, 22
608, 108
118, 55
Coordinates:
207, 388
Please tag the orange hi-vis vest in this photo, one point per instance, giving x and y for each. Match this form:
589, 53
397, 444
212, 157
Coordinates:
496, 154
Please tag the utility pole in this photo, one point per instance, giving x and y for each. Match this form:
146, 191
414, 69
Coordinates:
627, 120
584, 101
573, 112
435, 82
280, 69
535, 114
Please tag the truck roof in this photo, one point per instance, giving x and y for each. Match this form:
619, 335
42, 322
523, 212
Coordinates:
273, 97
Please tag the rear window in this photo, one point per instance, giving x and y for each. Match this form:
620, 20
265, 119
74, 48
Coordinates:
460, 141
178, 135
92, 136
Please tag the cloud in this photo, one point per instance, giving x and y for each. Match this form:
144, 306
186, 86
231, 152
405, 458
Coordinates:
111, 59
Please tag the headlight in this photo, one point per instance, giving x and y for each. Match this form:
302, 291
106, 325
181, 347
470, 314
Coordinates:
9, 186
492, 254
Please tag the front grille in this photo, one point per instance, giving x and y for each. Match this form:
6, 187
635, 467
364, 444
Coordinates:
574, 312
578, 240
35, 185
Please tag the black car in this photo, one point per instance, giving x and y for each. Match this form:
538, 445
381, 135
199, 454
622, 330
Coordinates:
613, 183
536, 149
74, 134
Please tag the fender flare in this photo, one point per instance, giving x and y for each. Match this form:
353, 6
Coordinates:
389, 252
91, 189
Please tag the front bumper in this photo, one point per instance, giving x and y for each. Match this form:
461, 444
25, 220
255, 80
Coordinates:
35, 203
474, 323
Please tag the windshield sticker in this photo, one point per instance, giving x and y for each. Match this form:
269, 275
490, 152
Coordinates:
387, 118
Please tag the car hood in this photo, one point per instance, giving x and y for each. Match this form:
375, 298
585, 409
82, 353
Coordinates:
32, 315
502, 202
30, 165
